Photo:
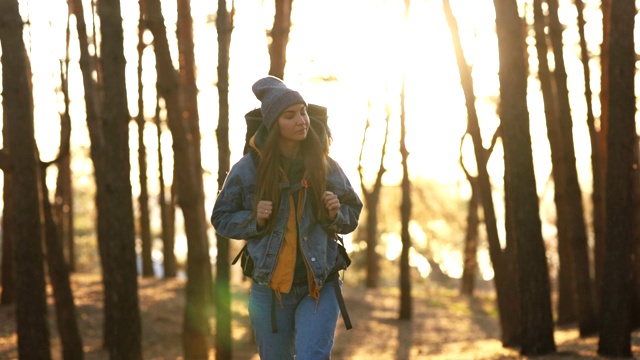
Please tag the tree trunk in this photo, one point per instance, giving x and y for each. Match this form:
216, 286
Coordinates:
617, 282
189, 93
520, 185
566, 292
470, 253
93, 106
577, 229
18, 131
8, 267
224, 24
64, 210
58, 267
405, 216
371, 200
280, 37
636, 236
143, 200
503, 261
167, 210
63, 203
189, 89
599, 155
596, 151
67, 323
199, 285
124, 315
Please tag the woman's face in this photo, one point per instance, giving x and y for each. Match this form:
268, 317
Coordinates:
294, 123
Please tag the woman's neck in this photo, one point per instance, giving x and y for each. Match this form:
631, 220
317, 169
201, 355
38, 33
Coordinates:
289, 149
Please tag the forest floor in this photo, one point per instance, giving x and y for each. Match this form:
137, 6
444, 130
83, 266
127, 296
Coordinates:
445, 325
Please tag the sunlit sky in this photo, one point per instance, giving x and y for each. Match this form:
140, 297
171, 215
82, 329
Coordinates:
364, 45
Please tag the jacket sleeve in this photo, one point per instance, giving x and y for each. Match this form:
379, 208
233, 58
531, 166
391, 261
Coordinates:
347, 218
231, 216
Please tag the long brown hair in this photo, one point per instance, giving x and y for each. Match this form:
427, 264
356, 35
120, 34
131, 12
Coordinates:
268, 177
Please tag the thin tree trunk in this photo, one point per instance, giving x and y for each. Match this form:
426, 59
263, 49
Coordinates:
167, 210
124, 332
189, 89
470, 258
371, 200
224, 24
8, 283
18, 131
505, 274
58, 268
470, 253
577, 229
199, 285
143, 200
617, 282
189, 96
63, 204
189, 93
636, 235
280, 37
67, 323
599, 155
93, 106
520, 185
64, 210
405, 215
566, 292
596, 144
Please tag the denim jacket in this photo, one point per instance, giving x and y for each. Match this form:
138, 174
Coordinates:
234, 207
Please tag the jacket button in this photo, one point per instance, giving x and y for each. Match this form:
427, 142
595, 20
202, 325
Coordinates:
313, 259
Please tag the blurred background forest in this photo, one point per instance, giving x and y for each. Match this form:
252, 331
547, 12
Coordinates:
494, 144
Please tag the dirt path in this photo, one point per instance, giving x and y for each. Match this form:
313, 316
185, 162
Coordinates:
444, 326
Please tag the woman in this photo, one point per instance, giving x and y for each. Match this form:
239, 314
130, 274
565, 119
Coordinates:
288, 199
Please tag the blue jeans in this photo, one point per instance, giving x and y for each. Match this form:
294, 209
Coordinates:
305, 329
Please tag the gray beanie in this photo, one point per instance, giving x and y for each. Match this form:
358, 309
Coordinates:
276, 97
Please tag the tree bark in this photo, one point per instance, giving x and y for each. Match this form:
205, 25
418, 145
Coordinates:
577, 231
224, 25
280, 37
617, 282
470, 253
599, 155
167, 210
503, 260
143, 200
54, 221
67, 323
371, 200
199, 285
124, 332
93, 107
8, 268
566, 292
188, 86
63, 200
520, 186
19, 141
636, 236
406, 304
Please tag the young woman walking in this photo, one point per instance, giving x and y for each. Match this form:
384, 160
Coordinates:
290, 201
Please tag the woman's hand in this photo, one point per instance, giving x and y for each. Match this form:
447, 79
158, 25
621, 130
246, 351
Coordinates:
263, 212
332, 203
